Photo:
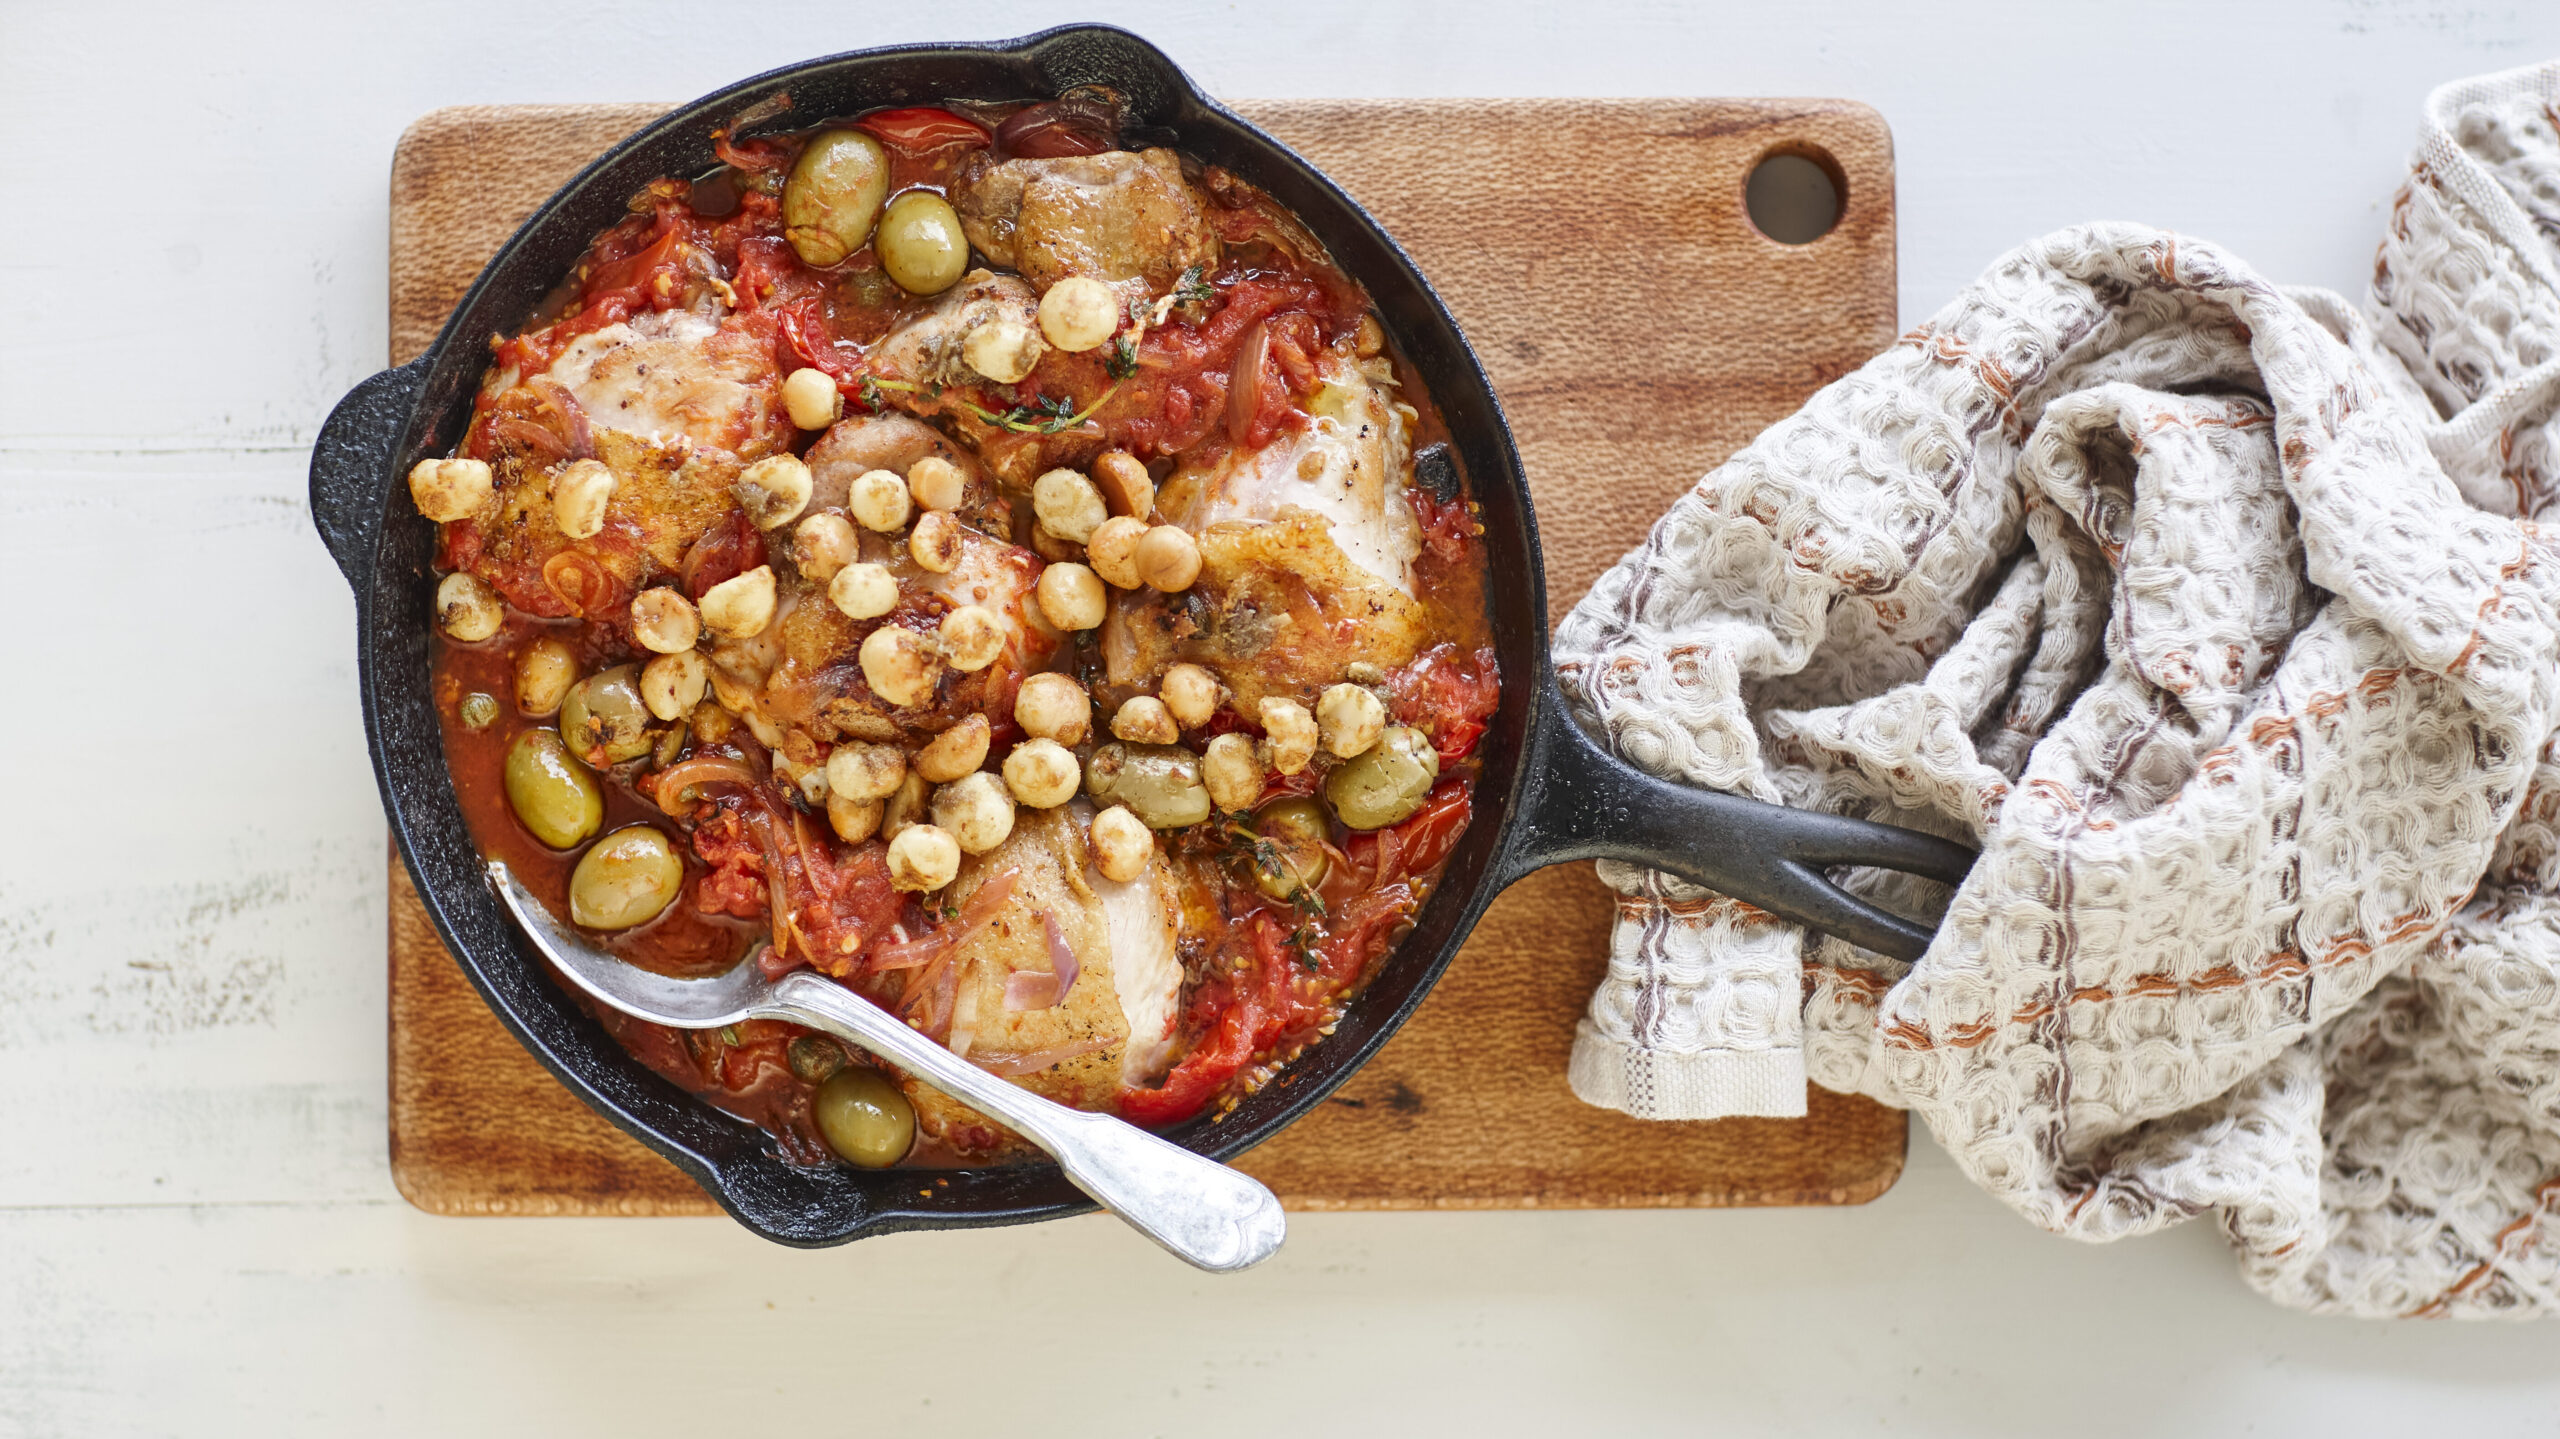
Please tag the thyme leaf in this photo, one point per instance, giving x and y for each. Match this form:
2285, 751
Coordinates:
1194, 287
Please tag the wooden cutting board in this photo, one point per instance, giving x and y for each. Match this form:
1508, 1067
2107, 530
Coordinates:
1638, 329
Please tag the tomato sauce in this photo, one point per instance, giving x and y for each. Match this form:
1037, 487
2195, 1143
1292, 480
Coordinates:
1229, 359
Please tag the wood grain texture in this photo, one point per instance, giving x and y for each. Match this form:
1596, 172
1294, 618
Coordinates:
1638, 331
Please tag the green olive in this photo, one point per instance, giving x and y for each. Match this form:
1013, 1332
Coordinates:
1160, 783
1387, 783
479, 711
833, 195
920, 243
864, 1118
544, 671
551, 792
603, 719
1297, 830
628, 878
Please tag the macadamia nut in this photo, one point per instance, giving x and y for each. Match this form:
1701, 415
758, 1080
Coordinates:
447, 490
811, 397
1289, 735
1054, 707
1191, 694
1350, 720
957, 751
579, 495
665, 621
864, 591
977, 811
923, 858
741, 606
879, 501
1122, 845
866, 771
774, 490
1042, 773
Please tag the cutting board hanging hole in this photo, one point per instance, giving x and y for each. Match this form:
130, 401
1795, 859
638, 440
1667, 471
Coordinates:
1795, 195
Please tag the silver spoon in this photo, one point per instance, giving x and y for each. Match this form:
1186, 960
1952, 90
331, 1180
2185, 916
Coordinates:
1203, 1211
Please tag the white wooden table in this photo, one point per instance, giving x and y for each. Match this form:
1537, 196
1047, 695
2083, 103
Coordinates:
197, 1235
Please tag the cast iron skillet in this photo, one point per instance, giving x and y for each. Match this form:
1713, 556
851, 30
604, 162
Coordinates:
1547, 794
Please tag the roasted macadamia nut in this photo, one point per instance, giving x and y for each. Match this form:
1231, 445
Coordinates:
446, 490
1003, 350
1054, 707
665, 621
937, 484
853, 820
903, 807
972, 638
957, 751
544, 671
741, 606
935, 541
1126, 487
1079, 313
923, 858
1190, 694
1122, 845
823, 545
1168, 558
774, 490
900, 665
866, 771
1112, 550
1289, 735
1072, 597
579, 495
977, 809
1232, 772
1068, 505
467, 609
1145, 720
863, 591
1350, 719
671, 685
880, 502
812, 398
1042, 773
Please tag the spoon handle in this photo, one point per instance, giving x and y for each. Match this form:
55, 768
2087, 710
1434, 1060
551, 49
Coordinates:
1201, 1210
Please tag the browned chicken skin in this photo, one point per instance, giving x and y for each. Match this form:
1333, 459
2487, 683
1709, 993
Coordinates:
1119, 217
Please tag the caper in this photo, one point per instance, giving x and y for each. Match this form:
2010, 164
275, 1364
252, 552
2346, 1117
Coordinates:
1159, 783
550, 791
864, 1118
603, 719
833, 195
479, 711
814, 1057
544, 672
1387, 783
1295, 831
920, 243
628, 878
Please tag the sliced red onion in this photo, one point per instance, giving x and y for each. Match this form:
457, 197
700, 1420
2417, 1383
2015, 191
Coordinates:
1244, 383
1030, 989
974, 915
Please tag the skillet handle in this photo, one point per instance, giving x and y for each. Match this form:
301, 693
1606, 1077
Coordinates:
1581, 802
351, 464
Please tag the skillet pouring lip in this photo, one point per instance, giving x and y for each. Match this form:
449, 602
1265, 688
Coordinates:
362, 512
